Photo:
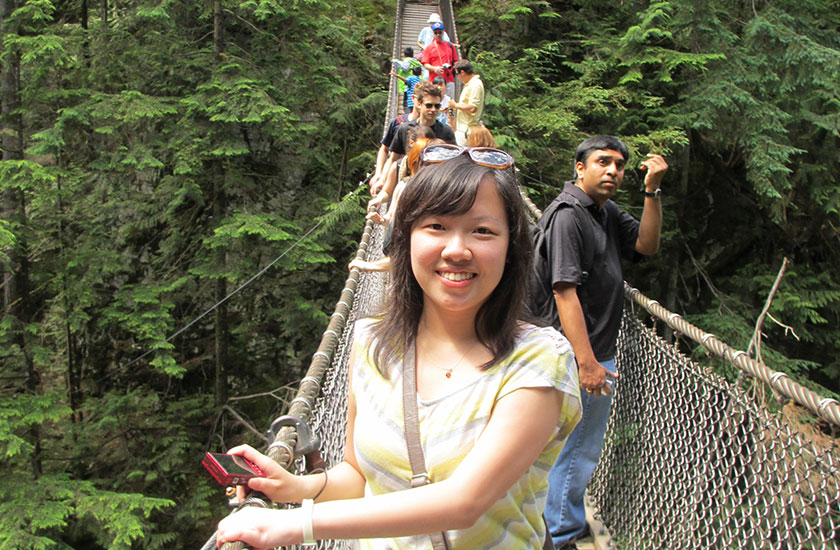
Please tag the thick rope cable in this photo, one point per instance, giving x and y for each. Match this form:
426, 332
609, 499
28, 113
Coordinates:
824, 407
282, 449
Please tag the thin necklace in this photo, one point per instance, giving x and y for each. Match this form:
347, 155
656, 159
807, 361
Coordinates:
447, 372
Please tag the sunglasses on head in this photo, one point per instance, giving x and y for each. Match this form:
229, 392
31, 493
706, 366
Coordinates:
432, 105
483, 156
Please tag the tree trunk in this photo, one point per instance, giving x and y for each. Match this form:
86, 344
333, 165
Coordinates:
217, 29
221, 292
73, 377
220, 255
16, 299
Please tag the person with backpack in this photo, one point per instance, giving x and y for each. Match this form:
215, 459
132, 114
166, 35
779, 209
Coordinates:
410, 82
427, 103
577, 286
405, 68
439, 57
382, 155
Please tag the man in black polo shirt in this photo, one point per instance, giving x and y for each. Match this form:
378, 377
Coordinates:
579, 289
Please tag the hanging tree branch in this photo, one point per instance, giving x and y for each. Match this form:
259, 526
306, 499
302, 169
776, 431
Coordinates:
755, 341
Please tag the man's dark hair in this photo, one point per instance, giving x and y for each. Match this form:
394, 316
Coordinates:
408, 51
463, 65
425, 88
417, 70
597, 143
439, 80
449, 189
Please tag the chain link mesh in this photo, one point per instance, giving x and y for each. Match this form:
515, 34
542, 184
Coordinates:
330, 413
693, 461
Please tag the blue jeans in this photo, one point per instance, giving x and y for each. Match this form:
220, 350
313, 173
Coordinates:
564, 511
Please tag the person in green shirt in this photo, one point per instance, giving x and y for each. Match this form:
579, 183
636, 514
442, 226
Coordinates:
404, 68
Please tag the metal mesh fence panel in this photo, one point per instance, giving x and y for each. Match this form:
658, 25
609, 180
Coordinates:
330, 414
693, 461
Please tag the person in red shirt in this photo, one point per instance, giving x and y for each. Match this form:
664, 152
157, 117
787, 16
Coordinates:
438, 58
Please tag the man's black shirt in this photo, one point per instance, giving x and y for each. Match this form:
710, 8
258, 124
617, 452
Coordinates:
441, 131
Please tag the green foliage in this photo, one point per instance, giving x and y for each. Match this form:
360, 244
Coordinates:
159, 163
162, 169
743, 102
7, 240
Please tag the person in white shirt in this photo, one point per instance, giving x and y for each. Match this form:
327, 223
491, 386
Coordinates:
426, 35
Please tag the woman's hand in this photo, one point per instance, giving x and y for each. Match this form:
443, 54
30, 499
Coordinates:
377, 218
375, 202
278, 484
261, 528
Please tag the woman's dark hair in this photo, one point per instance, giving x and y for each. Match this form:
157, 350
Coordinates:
447, 189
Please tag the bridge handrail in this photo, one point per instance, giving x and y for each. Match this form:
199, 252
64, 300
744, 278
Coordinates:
825, 407
396, 53
282, 448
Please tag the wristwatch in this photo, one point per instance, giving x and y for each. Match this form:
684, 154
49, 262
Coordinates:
654, 194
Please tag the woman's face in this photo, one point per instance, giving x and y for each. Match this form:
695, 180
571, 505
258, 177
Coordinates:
459, 260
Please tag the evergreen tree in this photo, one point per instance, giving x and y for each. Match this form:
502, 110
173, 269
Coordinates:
743, 101
156, 156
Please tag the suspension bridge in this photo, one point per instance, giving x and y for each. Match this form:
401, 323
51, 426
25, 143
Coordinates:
691, 460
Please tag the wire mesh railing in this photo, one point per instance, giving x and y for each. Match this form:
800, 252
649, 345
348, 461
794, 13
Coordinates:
692, 460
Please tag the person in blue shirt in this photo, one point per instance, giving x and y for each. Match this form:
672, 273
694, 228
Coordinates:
403, 67
410, 83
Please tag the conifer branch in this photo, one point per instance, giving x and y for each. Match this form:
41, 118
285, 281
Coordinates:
788, 328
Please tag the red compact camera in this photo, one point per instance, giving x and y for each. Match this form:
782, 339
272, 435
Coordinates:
230, 469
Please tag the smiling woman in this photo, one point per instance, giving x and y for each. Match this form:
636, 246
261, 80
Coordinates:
450, 190
492, 398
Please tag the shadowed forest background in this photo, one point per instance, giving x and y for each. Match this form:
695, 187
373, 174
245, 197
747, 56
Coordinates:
156, 154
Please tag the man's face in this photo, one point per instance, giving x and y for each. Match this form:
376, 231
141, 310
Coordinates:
428, 107
462, 76
438, 36
601, 175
